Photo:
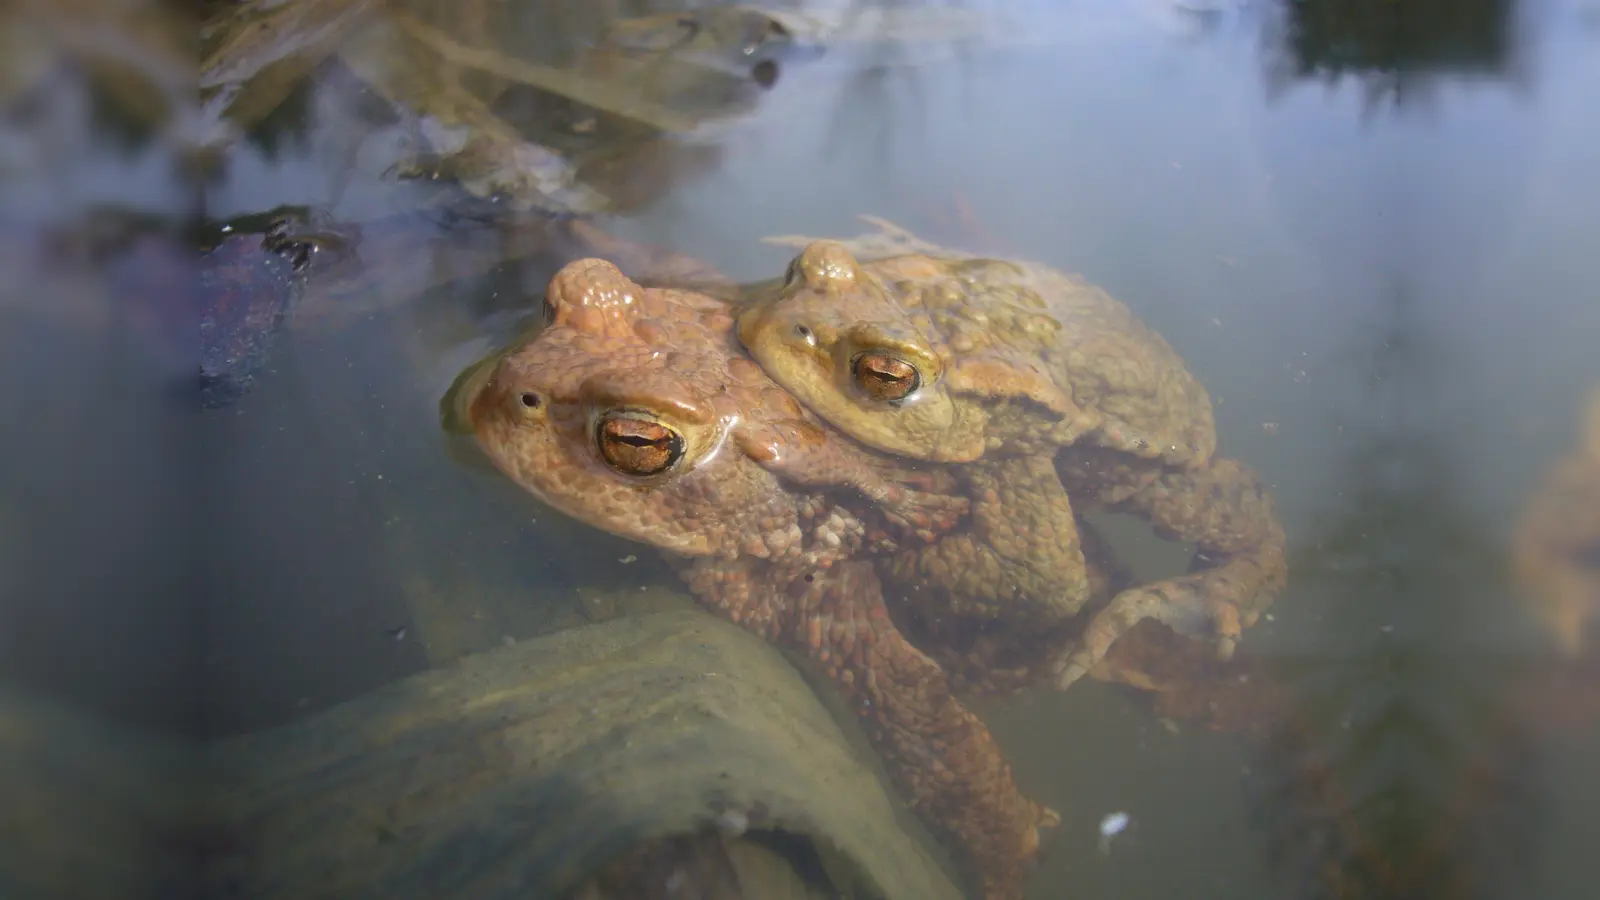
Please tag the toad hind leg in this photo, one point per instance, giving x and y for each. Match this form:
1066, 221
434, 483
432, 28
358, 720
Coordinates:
1003, 656
1239, 567
939, 754
1022, 560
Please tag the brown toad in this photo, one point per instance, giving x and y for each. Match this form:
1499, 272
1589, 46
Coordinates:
1042, 386
1557, 547
634, 411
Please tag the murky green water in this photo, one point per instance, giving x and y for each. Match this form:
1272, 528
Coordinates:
1371, 228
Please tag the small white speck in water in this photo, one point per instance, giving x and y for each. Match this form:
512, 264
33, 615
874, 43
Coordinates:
732, 822
1111, 826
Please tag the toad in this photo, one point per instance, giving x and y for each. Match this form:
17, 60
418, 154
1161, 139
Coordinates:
635, 411
1556, 553
1050, 393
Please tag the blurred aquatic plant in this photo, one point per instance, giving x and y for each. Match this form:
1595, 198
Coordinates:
1401, 769
543, 105
460, 78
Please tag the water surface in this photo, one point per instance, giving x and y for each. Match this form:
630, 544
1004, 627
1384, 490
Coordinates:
1372, 229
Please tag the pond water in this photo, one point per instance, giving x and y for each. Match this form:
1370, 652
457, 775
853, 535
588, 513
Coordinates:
1372, 230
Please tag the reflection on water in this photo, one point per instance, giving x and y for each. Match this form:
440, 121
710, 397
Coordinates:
1392, 313
1397, 50
1400, 759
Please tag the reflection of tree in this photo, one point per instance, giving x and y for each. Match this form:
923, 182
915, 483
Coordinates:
1396, 49
1396, 773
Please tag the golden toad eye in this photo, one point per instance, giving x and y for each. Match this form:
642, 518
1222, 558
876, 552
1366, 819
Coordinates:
884, 377
639, 447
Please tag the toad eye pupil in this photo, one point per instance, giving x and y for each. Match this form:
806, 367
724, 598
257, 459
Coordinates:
639, 447
803, 331
531, 400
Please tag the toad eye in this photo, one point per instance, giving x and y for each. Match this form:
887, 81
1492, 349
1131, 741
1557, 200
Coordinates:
791, 275
804, 333
531, 400
548, 311
635, 446
884, 377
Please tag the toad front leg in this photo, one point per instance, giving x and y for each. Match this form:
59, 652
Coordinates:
1240, 564
938, 753
1022, 560
802, 454
1008, 654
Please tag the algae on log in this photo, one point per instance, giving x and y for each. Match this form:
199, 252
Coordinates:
522, 771
545, 769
